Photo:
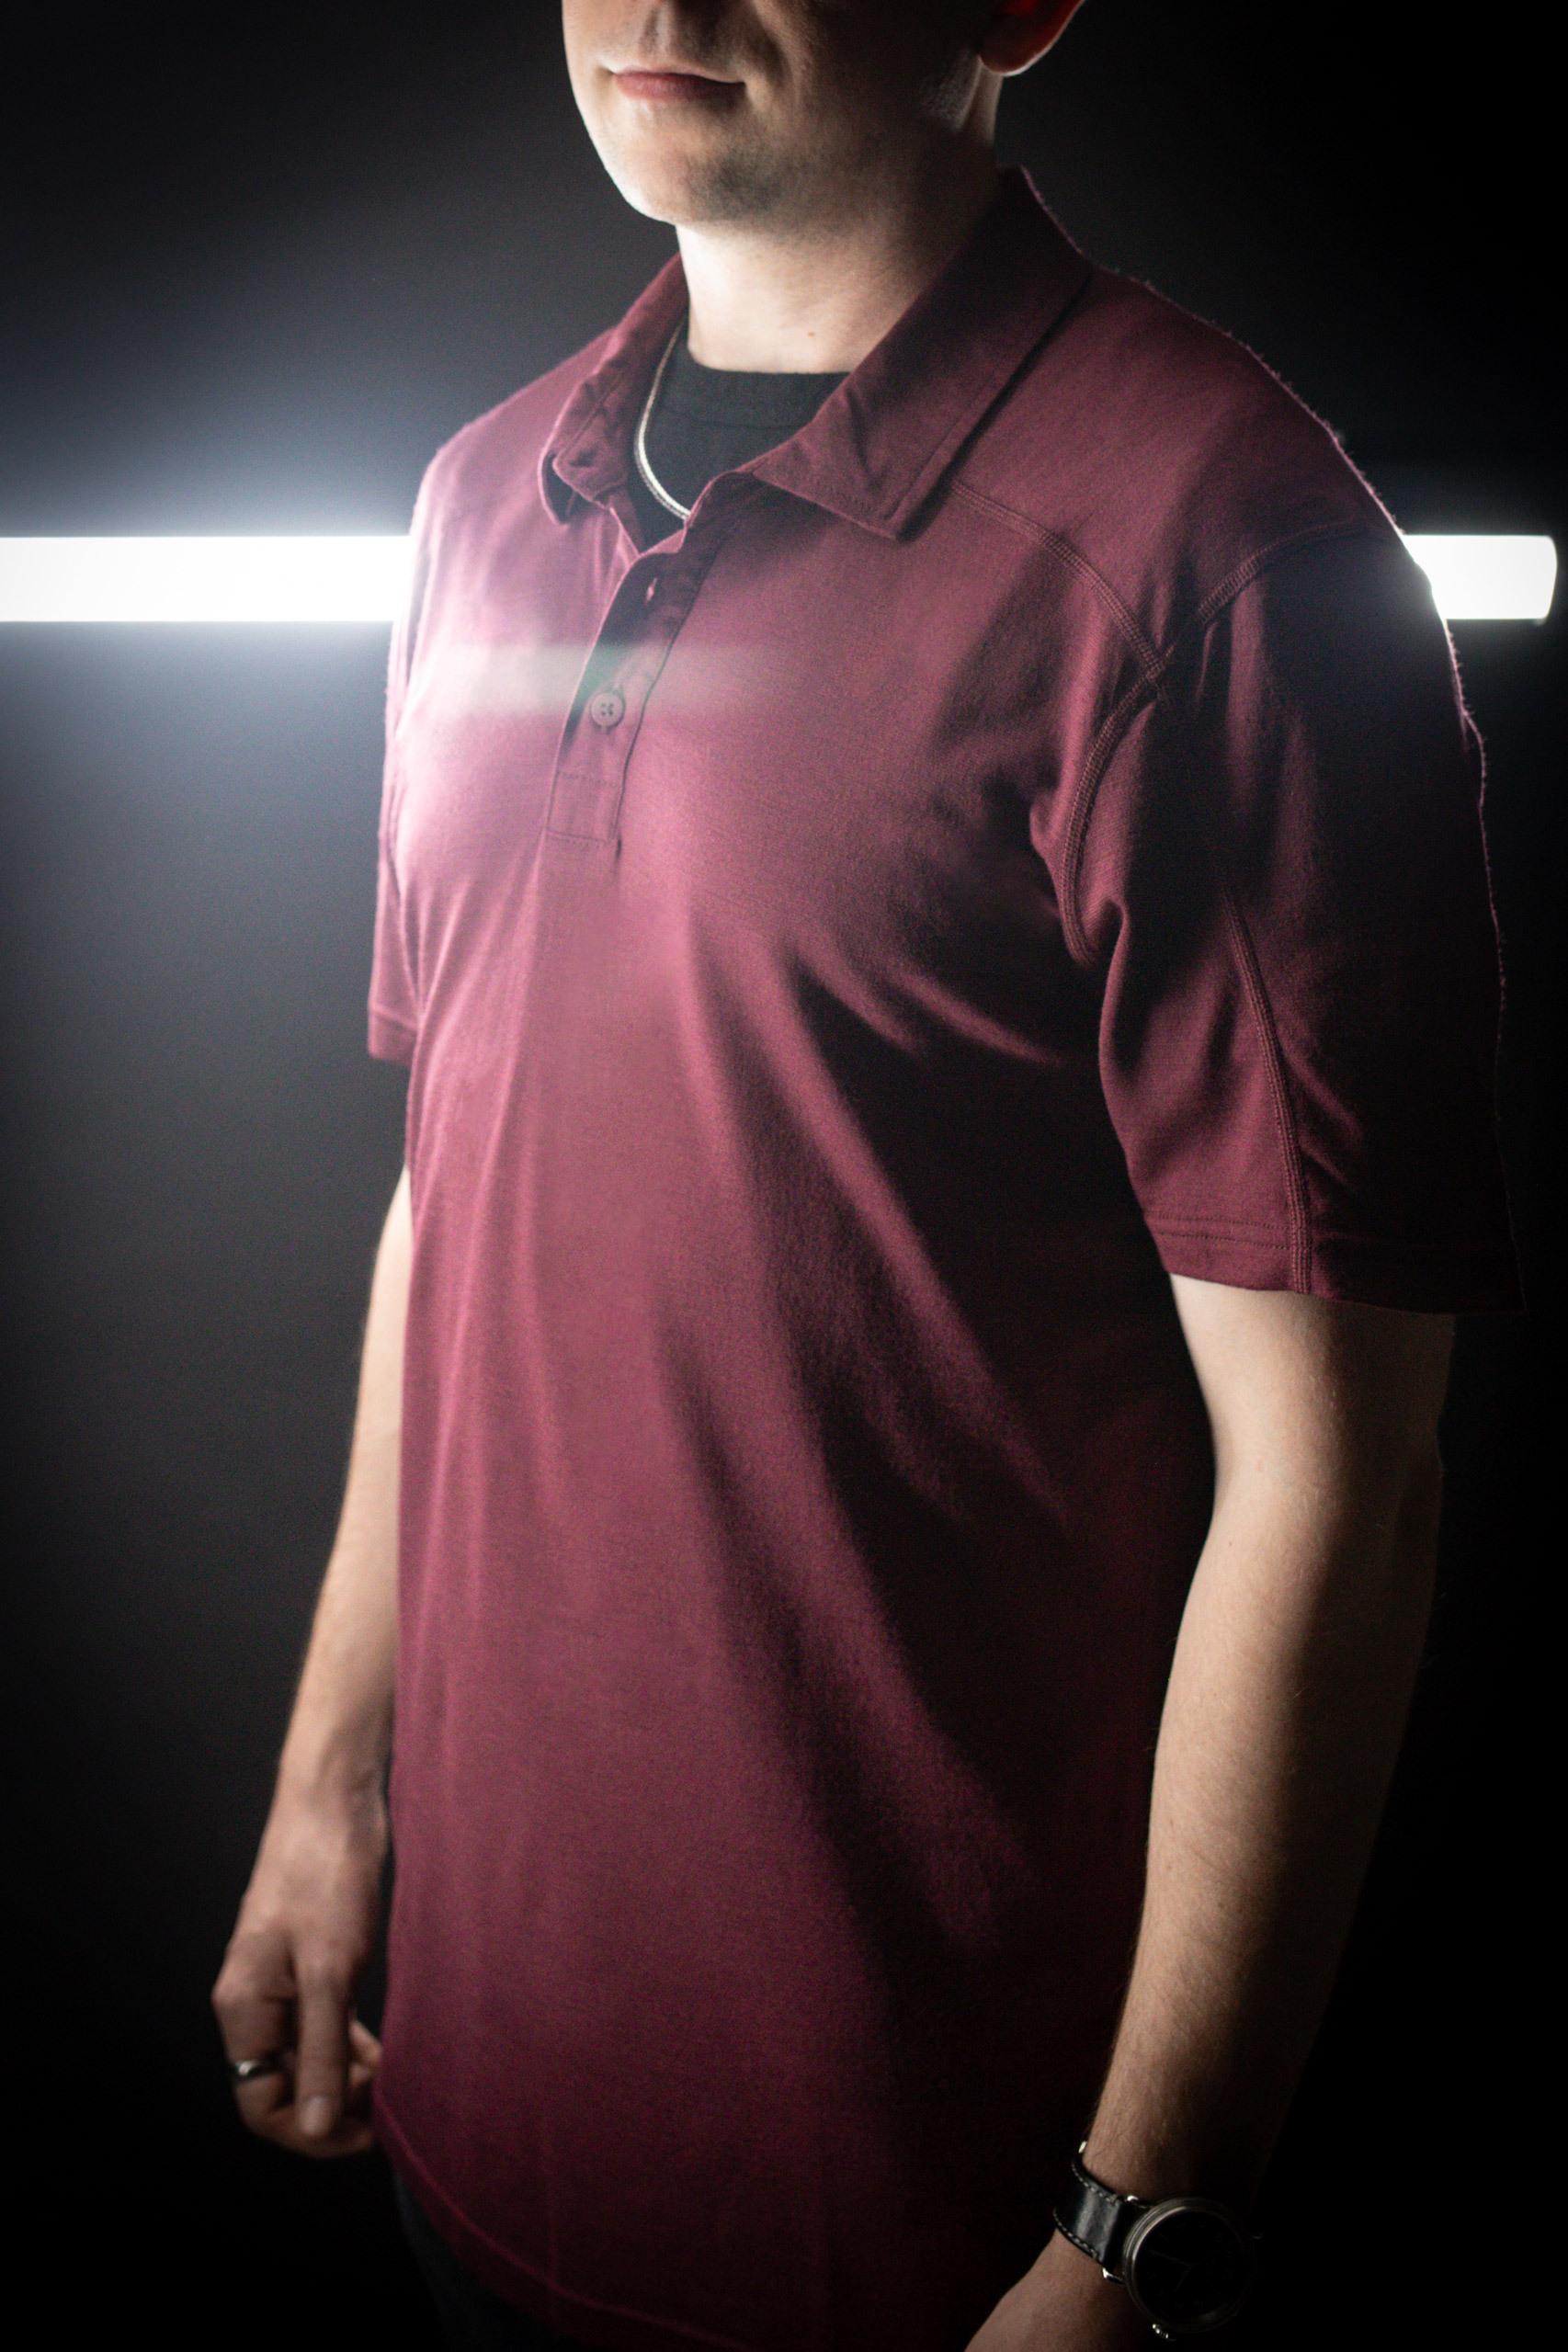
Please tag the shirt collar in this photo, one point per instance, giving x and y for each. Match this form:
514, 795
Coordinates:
879, 443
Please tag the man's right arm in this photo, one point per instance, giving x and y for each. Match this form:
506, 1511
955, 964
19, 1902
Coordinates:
340, 1735
309, 1914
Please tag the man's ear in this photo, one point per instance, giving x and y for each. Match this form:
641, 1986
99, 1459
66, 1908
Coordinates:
1040, 24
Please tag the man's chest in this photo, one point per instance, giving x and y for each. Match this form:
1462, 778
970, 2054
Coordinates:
838, 739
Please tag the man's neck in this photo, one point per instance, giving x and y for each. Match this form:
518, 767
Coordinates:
814, 298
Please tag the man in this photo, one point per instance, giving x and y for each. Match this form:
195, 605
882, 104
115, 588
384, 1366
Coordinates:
933, 895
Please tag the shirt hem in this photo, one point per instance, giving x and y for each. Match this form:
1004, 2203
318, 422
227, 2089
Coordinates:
606, 2327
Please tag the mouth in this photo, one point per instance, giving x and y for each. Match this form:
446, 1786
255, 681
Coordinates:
671, 85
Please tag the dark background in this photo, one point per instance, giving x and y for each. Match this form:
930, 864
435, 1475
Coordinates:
256, 266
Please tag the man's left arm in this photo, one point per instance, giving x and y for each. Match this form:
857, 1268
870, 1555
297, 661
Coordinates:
1284, 1714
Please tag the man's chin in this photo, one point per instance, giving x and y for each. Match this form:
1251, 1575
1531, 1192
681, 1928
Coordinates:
685, 194
651, 194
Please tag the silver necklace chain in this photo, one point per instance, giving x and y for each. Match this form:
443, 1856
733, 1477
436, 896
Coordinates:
640, 438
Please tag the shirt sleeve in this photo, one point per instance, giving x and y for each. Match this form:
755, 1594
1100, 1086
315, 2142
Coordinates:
392, 1011
1283, 889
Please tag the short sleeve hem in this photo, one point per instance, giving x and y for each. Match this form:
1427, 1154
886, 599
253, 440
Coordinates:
1438, 1278
390, 1039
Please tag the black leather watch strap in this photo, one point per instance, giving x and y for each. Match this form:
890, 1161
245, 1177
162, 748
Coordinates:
1095, 2218
1182, 2287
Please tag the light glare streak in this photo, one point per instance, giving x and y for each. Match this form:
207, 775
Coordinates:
304, 581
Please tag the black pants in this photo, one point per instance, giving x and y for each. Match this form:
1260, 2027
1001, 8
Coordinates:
471, 2318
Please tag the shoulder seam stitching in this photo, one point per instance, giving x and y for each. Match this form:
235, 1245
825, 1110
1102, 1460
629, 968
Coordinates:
1078, 561
1118, 720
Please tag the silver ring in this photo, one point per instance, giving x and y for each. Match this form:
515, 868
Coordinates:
243, 2069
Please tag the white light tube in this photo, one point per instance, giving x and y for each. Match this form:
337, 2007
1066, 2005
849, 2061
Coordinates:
1479, 577
310, 580
1474, 576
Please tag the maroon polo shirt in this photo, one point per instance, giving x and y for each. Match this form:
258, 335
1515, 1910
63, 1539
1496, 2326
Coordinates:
1020, 839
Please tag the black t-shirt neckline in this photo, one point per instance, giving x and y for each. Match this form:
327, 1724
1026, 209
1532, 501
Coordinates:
738, 395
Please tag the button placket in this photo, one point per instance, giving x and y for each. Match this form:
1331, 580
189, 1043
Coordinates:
590, 773
586, 795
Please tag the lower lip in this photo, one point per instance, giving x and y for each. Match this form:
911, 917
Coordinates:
673, 86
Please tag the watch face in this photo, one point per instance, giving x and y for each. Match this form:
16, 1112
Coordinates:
1186, 2264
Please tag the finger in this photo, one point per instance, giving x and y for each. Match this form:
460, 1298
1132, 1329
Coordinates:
253, 1997
356, 2103
322, 2051
254, 2024
355, 2106
355, 2127
264, 2097
365, 2044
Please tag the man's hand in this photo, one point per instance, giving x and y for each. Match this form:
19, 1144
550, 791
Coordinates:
1064, 2304
304, 1931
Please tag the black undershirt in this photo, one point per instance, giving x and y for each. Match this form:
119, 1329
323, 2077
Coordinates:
706, 420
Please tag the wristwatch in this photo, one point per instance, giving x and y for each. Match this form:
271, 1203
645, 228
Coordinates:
1186, 2262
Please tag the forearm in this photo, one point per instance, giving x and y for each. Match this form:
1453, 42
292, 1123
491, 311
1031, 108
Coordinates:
339, 1733
1285, 1711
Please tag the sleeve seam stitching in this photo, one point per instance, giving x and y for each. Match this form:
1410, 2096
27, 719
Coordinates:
1243, 950
1278, 1082
1145, 690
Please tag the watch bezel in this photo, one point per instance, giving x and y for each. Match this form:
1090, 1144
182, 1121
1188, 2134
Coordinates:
1141, 2231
